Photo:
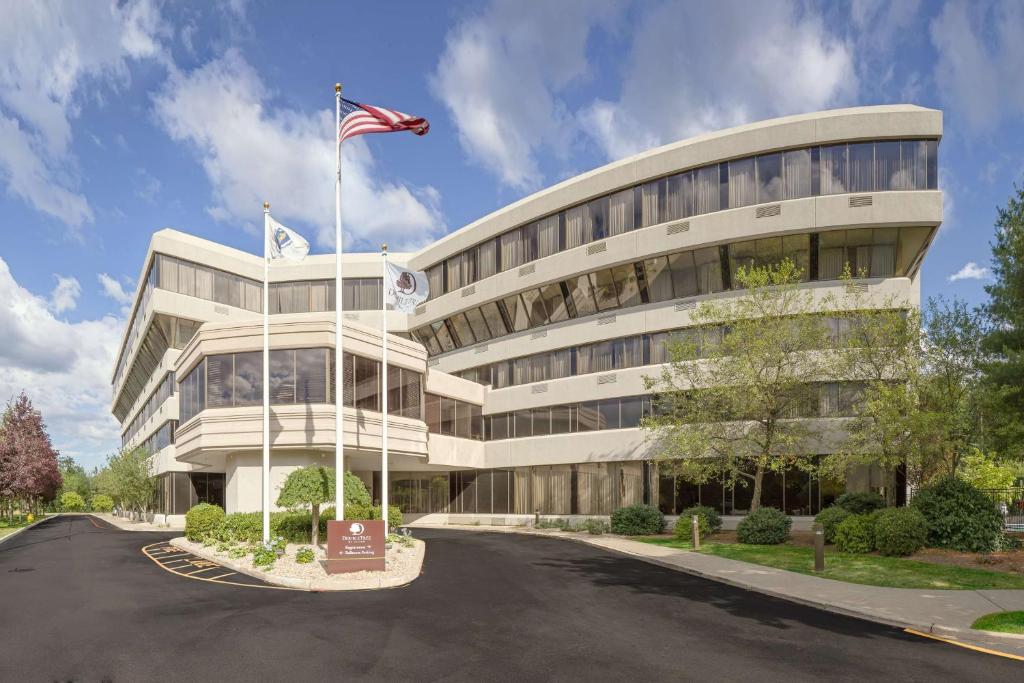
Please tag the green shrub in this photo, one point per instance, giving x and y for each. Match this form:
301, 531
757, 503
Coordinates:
209, 541
899, 531
637, 520
71, 502
238, 552
552, 524
244, 527
224, 546
856, 534
708, 521
203, 520
829, 519
861, 502
596, 527
101, 503
959, 516
304, 555
764, 526
263, 556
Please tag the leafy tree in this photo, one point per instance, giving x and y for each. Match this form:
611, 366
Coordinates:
729, 411
73, 477
101, 503
1004, 338
313, 486
71, 502
985, 471
130, 479
29, 474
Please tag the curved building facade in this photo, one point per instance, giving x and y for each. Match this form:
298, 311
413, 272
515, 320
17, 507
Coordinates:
518, 386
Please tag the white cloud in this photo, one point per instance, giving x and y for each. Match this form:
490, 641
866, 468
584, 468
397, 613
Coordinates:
980, 60
64, 296
53, 55
64, 367
253, 150
971, 271
729, 63
115, 290
501, 77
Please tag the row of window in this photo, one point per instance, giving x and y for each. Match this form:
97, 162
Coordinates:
204, 282
828, 399
611, 354
306, 296
165, 332
453, 417
161, 438
162, 392
793, 174
874, 252
296, 376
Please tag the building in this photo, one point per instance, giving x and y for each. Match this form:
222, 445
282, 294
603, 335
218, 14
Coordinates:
518, 386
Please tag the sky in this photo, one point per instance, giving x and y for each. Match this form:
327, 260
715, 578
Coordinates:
118, 119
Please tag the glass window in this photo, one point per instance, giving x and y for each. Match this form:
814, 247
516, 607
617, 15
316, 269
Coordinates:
604, 290
933, 164
769, 178
499, 426
797, 248
609, 409
560, 420
447, 416
862, 167
589, 417
282, 376
796, 170
769, 251
913, 173
462, 330
476, 425
444, 337
311, 375
367, 384
833, 169
486, 258
219, 380
650, 210
582, 293
541, 421
831, 254
631, 411
495, 323
887, 166
478, 324
742, 189
706, 193
547, 236
598, 219
626, 285
561, 363
517, 313
463, 420
911, 242
679, 197
554, 302
577, 222
425, 336
883, 256
511, 249
659, 279
523, 423
620, 212
858, 251
741, 255
708, 263
535, 307
432, 412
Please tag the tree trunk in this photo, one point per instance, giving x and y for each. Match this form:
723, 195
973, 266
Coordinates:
755, 499
316, 525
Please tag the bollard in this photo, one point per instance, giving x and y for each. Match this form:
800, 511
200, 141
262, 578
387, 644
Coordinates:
819, 548
696, 533
536, 517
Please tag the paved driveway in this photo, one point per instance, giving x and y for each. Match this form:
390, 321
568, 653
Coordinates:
81, 602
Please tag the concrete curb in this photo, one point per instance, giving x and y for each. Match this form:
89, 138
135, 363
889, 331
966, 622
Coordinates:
315, 585
26, 528
1013, 640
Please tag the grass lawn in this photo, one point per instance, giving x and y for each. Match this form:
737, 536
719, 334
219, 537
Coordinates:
1006, 622
870, 570
7, 527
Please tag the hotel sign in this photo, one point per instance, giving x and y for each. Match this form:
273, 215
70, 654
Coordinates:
355, 546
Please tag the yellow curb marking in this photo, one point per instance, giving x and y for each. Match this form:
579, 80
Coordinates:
976, 648
147, 552
204, 569
165, 556
214, 578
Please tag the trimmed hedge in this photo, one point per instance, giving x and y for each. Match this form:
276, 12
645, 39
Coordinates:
856, 534
900, 531
637, 520
764, 526
959, 516
829, 519
295, 527
861, 502
203, 520
708, 521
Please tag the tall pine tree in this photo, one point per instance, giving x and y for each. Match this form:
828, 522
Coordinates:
1004, 373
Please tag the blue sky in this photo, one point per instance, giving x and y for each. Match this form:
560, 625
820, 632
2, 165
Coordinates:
118, 119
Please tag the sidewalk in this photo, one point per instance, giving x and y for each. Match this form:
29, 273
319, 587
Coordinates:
131, 524
947, 613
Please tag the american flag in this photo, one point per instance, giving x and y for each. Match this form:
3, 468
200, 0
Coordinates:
359, 119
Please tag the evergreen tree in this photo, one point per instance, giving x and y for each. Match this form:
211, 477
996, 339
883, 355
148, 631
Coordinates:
1004, 373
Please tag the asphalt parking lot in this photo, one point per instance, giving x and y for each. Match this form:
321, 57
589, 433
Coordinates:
83, 602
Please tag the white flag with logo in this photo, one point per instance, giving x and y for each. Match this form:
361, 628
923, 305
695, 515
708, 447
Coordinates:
405, 289
285, 243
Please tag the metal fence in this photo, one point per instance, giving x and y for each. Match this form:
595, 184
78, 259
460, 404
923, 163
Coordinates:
1010, 504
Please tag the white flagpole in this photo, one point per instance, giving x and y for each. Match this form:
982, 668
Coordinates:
339, 355
266, 374
384, 387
